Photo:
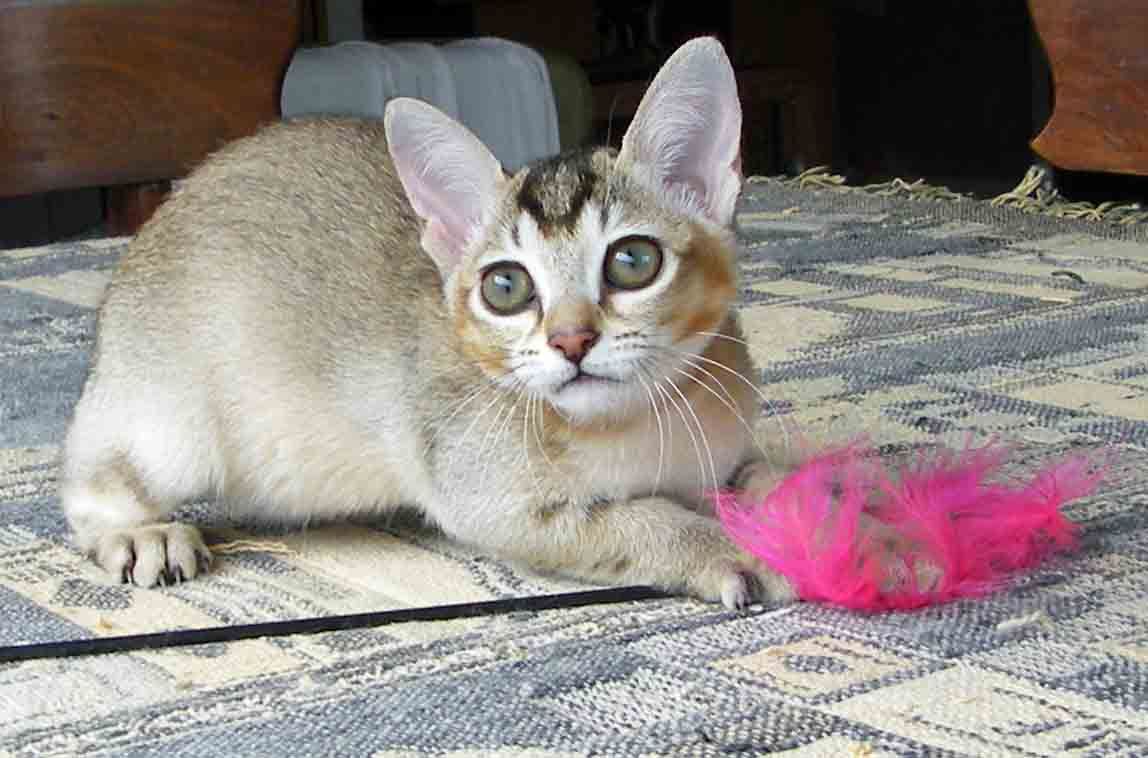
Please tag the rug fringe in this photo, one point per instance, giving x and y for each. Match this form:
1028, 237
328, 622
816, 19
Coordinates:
252, 546
1033, 194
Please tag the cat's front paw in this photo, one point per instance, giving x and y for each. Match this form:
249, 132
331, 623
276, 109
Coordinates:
153, 554
740, 582
757, 479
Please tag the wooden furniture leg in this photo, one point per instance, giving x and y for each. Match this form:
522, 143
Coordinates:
127, 207
1100, 83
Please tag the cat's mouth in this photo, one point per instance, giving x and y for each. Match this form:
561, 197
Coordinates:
587, 395
585, 379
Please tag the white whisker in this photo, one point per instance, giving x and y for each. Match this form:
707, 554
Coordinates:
731, 403
689, 361
661, 435
538, 430
689, 430
720, 336
460, 447
732, 408
502, 427
761, 395
702, 433
457, 408
649, 374
531, 400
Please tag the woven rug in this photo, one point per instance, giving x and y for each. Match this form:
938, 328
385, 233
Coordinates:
910, 321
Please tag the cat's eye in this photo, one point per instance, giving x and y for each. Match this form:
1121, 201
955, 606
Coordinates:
507, 288
632, 263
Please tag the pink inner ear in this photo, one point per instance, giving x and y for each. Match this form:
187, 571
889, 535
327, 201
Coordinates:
449, 176
687, 131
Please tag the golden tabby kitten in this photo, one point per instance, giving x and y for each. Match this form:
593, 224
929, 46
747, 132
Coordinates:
337, 317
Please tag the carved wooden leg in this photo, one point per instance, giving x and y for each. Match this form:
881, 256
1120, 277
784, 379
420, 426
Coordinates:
1095, 48
127, 207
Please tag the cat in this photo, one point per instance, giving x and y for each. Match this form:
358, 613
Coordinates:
339, 316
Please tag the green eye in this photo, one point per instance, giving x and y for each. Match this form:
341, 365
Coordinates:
632, 263
507, 288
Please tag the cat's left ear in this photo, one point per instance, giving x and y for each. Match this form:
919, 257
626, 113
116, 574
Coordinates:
450, 177
685, 138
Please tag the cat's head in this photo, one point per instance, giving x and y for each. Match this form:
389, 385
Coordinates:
587, 278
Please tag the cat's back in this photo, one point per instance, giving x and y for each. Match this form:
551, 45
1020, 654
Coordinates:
312, 198
301, 233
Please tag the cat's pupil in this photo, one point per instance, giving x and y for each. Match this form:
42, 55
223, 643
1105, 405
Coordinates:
504, 284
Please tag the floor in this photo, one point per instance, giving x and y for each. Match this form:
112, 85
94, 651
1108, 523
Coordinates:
40, 219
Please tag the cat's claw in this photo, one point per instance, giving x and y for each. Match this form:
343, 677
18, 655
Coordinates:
156, 554
736, 593
738, 588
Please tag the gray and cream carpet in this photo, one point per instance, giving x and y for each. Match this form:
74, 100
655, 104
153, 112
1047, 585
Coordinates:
911, 321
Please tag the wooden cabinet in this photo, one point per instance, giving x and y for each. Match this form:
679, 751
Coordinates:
1098, 52
133, 91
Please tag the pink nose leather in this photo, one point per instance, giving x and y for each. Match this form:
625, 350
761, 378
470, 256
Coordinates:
574, 344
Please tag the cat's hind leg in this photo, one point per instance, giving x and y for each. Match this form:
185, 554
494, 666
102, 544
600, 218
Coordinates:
121, 525
127, 466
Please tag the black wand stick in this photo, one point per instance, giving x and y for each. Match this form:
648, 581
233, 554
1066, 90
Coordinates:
185, 637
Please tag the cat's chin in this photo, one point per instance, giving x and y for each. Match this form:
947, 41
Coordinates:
593, 399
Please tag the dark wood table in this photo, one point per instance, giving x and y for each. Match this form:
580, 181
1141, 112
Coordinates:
130, 94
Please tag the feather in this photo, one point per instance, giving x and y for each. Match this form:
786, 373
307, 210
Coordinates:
962, 530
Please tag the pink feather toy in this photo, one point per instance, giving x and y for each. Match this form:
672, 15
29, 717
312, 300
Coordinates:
958, 530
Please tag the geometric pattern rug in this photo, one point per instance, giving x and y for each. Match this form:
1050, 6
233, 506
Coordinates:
911, 322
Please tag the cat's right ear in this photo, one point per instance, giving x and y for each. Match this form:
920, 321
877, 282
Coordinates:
450, 177
685, 137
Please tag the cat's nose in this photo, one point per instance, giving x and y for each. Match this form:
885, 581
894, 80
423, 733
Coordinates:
573, 343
